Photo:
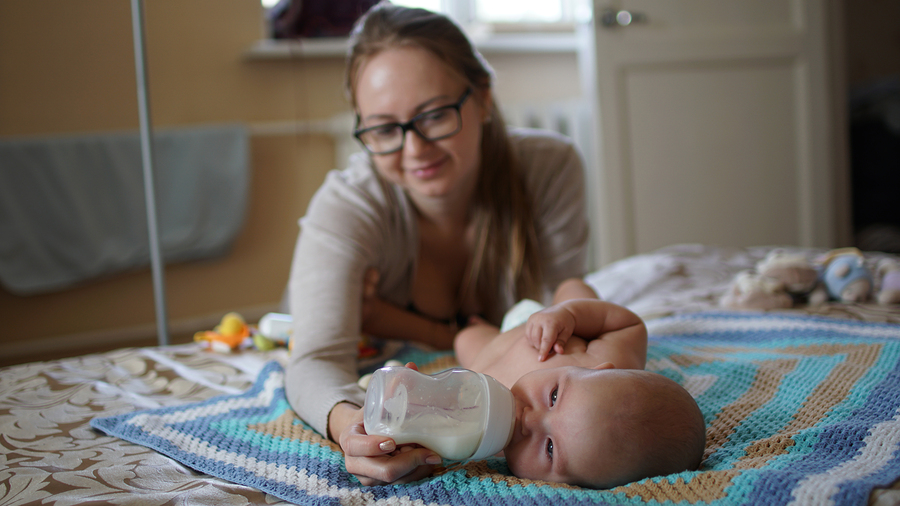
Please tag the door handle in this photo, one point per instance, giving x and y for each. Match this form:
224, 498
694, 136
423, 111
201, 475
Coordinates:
611, 18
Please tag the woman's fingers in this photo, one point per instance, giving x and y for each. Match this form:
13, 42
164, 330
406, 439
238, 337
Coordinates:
404, 466
376, 460
356, 443
370, 282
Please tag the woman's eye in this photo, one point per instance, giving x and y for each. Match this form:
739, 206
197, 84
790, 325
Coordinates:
550, 448
384, 131
553, 396
433, 116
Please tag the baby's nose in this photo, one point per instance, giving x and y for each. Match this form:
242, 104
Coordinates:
527, 421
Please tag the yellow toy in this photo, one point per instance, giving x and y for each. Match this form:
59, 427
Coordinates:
227, 336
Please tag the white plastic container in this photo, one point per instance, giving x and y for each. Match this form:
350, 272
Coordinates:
276, 326
460, 414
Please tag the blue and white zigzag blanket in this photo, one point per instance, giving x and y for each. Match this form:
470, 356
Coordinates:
799, 410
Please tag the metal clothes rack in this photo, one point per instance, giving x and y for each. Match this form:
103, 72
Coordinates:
156, 264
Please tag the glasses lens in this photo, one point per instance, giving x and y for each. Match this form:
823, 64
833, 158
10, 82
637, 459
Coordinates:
439, 123
382, 139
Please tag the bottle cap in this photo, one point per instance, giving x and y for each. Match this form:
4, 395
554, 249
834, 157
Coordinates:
500, 419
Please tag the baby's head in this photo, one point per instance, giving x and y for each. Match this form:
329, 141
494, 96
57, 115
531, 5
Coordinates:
603, 427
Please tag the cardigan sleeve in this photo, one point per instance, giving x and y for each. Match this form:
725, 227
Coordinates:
341, 235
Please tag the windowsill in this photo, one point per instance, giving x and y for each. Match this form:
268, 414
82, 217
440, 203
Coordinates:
503, 43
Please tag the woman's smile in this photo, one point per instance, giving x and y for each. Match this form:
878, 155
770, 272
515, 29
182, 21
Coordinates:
429, 170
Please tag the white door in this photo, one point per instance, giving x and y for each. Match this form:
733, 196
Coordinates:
715, 125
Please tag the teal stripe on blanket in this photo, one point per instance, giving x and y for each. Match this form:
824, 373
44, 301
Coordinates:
799, 410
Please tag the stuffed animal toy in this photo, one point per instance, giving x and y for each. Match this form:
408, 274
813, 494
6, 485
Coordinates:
227, 336
845, 275
889, 290
750, 290
798, 275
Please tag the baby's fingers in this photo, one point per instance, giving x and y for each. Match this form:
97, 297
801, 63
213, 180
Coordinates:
548, 340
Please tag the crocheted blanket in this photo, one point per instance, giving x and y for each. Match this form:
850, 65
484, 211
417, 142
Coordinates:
799, 410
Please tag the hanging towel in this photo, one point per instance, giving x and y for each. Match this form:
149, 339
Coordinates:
72, 207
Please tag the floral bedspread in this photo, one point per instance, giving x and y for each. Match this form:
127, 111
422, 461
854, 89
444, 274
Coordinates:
49, 454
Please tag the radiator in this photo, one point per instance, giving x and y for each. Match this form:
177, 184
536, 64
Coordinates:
569, 117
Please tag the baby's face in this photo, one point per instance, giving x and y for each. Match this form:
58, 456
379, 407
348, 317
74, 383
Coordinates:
568, 422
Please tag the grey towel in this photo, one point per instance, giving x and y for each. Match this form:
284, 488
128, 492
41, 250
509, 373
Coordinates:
72, 207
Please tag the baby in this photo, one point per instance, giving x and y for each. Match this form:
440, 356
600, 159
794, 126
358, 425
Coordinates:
587, 413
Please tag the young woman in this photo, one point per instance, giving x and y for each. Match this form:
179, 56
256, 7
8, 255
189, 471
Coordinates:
446, 216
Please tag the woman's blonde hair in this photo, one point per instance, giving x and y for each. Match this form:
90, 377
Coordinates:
506, 246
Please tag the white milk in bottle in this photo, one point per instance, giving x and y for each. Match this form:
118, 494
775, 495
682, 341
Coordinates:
460, 414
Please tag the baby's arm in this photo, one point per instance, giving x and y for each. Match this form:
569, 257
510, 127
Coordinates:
573, 288
471, 343
616, 334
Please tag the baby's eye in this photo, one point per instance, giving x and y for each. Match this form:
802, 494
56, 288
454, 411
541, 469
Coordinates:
553, 396
550, 449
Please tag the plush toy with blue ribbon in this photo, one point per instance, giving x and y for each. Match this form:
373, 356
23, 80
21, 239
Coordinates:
845, 275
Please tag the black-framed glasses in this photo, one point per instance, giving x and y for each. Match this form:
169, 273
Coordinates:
432, 125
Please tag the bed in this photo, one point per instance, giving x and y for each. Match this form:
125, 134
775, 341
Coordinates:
802, 407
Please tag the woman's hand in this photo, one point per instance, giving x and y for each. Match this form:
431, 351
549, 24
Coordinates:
376, 460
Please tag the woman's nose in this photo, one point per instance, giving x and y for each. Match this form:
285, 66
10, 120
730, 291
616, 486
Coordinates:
414, 143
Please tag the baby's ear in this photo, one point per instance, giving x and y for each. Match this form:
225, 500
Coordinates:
605, 365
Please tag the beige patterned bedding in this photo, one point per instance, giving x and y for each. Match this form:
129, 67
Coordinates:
693, 277
50, 455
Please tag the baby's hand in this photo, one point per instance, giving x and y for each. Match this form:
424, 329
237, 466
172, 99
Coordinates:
549, 330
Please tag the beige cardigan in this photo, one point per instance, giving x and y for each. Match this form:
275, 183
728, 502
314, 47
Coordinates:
355, 221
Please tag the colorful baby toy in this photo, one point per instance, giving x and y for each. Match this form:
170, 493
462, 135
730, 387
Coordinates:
227, 336
845, 275
889, 290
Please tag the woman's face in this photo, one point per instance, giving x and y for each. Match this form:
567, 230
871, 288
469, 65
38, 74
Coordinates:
399, 83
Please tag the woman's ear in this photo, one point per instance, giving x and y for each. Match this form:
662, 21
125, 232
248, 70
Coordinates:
487, 104
604, 365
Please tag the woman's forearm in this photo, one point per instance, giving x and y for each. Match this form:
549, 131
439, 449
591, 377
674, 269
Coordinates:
388, 321
340, 416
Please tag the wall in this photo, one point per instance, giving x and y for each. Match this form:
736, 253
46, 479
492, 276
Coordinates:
67, 67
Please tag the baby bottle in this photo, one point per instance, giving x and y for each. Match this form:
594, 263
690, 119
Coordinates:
460, 414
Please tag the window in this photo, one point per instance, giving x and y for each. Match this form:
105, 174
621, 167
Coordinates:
501, 12
497, 12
